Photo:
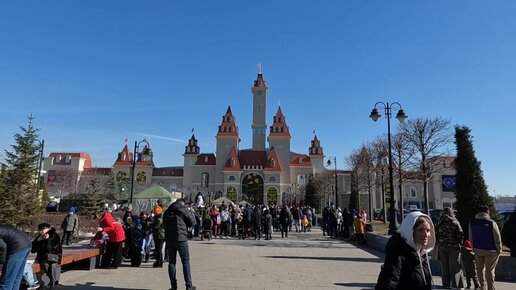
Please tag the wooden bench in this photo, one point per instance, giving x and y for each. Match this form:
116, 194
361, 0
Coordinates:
73, 255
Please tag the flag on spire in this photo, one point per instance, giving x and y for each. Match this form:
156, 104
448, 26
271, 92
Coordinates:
259, 66
192, 130
314, 131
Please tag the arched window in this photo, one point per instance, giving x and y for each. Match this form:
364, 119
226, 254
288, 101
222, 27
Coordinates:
120, 175
205, 179
141, 177
231, 193
272, 195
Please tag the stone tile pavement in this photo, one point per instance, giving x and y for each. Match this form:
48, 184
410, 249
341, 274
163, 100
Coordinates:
301, 261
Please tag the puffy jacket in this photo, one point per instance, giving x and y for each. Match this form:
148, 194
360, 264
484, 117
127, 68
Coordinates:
484, 234
449, 232
70, 223
404, 267
158, 229
111, 227
176, 220
12, 241
52, 245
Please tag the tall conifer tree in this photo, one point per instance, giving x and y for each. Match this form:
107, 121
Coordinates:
471, 189
19, 203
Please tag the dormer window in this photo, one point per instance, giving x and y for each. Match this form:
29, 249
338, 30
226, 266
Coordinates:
123, 157
272, 162
232, 162
206, 159
58, 158
300, 159
68, 158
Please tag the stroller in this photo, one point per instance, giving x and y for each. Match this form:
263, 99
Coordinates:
207, 224
244, 230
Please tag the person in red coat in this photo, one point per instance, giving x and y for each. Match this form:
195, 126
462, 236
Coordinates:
113, 256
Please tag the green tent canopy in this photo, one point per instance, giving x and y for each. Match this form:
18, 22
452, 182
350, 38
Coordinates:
146, 200
226, 201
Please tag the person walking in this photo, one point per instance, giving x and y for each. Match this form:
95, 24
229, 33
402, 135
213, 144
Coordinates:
257, 223
15, 247
267, 224
359, 224
509, 233
69, 226
449, 241
176, 219
285, 221
47, 245
487, 246
158, 232
407, 264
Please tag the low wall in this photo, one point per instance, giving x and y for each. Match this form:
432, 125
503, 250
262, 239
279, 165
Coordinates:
505, 269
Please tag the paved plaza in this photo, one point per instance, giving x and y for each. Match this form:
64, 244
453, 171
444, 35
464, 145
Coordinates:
301, 261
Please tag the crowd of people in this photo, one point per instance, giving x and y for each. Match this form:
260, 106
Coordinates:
466, 262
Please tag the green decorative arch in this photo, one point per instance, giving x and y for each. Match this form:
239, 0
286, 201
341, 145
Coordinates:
252, 188
272, 195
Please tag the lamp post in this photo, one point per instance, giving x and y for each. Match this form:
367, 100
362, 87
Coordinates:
40, 160
145, 155
336, 182
393, 224
400, 184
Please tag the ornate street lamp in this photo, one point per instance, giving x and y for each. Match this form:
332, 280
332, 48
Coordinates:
145, 155
393, 223
336, 182
40, 160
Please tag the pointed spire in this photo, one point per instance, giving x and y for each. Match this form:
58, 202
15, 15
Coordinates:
260, 82
228, 126
316, 148
124, 157
192, 147
279, 126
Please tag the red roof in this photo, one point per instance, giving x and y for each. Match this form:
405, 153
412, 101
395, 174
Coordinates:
206, 159
273, 163
232, 164
64, 161
124, 157
167, 171
316, 148
279, 127
147, 162
228, 126
300, 160
259, 82
253, 158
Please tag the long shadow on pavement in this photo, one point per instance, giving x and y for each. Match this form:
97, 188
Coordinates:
90, 285
347, 259
366, 286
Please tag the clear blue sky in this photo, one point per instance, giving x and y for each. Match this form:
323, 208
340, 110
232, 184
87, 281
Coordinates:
97, 72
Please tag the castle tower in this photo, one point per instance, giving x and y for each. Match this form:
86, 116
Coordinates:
190, 156
227, 137
279, 138
316, 155
259, 126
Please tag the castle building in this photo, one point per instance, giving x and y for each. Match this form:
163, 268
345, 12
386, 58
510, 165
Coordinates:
260, 174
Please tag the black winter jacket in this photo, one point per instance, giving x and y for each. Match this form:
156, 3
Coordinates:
52, 245
176, 220
403, 268
12, 241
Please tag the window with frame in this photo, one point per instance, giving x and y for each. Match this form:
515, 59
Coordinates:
231, 178
413, 192
205, 179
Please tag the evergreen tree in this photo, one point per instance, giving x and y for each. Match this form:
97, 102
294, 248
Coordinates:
94, 201
471, 189
311, 195
45, 199
19, 203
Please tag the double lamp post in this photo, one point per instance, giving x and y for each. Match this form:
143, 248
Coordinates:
393, 223
146, 154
